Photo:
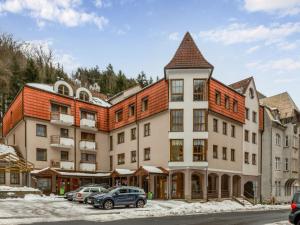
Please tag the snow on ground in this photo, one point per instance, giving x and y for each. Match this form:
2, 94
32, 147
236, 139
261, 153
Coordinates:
34, 208
279, 223
13, 189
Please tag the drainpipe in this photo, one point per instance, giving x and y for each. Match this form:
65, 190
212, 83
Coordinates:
75, 142
138, 134
271, 159
261, 153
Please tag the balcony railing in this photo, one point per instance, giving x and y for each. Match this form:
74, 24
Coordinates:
62, 119
64, 165
87, 145
88, 124
87, 166
61, 142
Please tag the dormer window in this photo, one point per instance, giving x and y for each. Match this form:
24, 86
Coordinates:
84, 96
63, 90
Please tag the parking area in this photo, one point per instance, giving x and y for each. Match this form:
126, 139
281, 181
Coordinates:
34, 208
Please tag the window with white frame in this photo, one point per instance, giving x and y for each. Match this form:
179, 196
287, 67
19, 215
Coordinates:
286, 164
277, 163
278, 139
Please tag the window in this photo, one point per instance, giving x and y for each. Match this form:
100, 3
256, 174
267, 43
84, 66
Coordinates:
294, 165
84, 96
199, 120
121, 137
247, 135
64, 156
41, 154
2, 176
176, 119
277, 163
286, 164
251, 93
253, 159
247, 157
199, 150
110, 143
224, 153
147, 154
176, 90
111, 165
176, 150
133, 133
286, 141
119, 115
63, 90
232, 155
254, 138
131, 110
62, 109
133, 156
218, 98
41, 130
224, 128
64, 132
235, 106
227, 102
87, 115
121, 158
88, 137
247, 113
146, 129
14, 177
278, 139
254, 115
144, 104
232, 131
215, 151
215, 125
200, 93
88, 158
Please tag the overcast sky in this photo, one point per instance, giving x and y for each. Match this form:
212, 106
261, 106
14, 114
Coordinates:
241, 38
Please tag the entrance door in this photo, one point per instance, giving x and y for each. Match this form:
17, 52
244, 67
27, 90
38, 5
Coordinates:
161, 187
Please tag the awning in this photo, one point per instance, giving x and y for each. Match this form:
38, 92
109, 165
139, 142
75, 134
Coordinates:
122, 172
146, 170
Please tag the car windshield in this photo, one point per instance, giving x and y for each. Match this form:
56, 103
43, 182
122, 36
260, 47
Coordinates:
112, 190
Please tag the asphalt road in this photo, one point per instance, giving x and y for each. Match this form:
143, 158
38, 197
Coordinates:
236, 218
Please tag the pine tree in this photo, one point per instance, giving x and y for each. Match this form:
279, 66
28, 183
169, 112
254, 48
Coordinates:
31, 73
16, 82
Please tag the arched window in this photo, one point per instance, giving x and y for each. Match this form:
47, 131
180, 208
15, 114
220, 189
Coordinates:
63, 90
278, 139
251, 93
84, 96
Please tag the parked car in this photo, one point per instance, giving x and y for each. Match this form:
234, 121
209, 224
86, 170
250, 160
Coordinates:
121, 196
71, 194
82, 194
90, 198
294, 216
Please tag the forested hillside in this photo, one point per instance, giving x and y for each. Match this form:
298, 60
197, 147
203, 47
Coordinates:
20, 64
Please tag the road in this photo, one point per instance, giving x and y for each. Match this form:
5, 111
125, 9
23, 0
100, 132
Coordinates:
236, 218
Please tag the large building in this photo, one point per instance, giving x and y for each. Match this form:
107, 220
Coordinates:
187, 136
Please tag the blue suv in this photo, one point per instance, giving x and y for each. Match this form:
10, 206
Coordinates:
294, 217
121, 196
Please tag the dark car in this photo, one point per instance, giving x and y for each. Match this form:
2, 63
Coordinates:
121, 196
294, 216
91, 197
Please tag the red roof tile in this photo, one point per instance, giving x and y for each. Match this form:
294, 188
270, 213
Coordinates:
188, 56
242, 85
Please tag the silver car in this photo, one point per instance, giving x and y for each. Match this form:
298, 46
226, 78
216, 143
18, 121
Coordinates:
86, 191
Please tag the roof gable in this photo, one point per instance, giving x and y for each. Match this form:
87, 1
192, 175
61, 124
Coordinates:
188, 56
242, 85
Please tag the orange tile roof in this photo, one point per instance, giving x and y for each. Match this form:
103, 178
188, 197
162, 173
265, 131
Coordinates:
188, 56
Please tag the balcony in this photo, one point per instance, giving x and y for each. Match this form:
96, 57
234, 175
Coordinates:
61, 142
88, 124
87, 166
63, 165
87, 145
62, 119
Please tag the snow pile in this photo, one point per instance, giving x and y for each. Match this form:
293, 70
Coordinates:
44, 87
4, 149
152, 169
18, 189
124, 171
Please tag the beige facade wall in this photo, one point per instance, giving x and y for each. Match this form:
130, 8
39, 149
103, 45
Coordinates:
157, 142
16, 137
221, 140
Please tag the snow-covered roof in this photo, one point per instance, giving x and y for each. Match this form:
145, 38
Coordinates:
44, 87
98, 101
124, 171
4, 149
152, 169
84, 174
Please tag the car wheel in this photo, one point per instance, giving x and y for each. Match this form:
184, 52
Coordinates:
108, 204
140, 204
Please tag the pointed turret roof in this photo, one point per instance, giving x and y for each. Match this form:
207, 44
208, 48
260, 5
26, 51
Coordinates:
188, 56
